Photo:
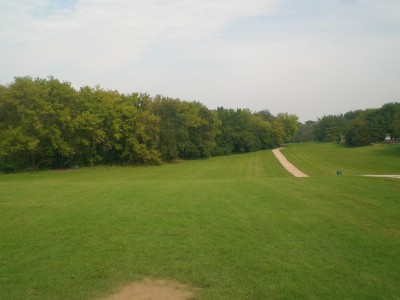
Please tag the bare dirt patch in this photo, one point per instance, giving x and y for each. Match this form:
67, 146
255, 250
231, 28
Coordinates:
154, 290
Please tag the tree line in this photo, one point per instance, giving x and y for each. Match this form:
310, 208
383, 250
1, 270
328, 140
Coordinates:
355, 128
45, 123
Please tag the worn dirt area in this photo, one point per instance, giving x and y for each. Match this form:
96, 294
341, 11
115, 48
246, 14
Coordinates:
154, 290
388, 176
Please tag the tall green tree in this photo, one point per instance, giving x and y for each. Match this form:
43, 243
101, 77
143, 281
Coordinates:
331, 128
202, 133
140, 131
244, 131
391, 119
306, 132
173, 126
357, 133
289, 125
37, 110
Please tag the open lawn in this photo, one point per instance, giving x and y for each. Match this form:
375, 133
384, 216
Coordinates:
237, 227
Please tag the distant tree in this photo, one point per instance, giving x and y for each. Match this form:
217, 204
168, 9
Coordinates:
358, 133
265, 115
391, 119
306, 132
236, 131
115, 128
351, 115
174, 133
289, 124
330, 128
39, 110
187, 129
224, 139
244, 131
367, 128
140, 136
203, 134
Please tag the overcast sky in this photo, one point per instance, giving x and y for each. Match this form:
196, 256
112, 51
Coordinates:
306, 57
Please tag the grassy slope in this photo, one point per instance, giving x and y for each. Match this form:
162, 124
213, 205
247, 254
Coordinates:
239, 227
327, 158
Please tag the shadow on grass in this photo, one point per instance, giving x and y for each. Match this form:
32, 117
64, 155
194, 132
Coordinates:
391, 151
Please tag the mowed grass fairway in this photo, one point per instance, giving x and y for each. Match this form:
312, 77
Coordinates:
237, 227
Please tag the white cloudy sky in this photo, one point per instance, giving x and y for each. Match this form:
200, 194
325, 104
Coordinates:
307, 57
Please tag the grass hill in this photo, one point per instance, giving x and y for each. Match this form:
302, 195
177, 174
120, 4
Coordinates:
326, 158
237, 227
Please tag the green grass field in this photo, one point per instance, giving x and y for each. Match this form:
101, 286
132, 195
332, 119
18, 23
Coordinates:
325, 158
237, 227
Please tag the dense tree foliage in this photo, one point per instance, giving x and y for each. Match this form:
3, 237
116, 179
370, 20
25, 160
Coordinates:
187, 129
361, 127
306, 132
45, 123
48, 123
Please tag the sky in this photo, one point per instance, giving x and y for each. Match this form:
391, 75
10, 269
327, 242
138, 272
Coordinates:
305, 57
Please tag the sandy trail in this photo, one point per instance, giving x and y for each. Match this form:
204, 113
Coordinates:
388, 176
288, 165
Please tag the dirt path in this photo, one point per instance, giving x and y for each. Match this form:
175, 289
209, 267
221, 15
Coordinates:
287, 165
388, 176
